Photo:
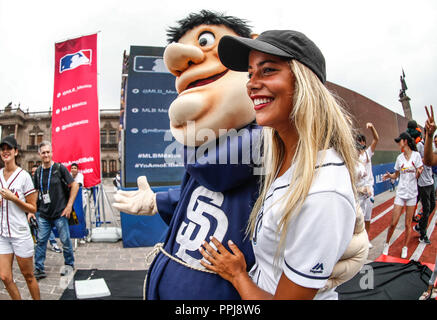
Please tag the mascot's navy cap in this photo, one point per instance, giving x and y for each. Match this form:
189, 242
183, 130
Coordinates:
234, 51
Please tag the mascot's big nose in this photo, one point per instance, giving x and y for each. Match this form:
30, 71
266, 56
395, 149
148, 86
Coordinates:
178, 57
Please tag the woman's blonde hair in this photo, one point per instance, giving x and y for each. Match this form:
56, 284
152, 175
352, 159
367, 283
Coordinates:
321, 123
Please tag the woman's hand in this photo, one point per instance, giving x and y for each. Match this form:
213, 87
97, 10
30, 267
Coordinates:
368, 191
386, 176
230, 266
67, 211
419, 172
7, 194
30, 216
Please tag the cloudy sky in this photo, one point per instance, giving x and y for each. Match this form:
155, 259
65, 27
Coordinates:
366, 43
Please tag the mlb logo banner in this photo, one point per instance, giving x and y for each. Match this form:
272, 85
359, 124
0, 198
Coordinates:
75, 115
74, 60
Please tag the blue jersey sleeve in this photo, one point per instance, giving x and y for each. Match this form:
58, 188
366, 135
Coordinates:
166, 203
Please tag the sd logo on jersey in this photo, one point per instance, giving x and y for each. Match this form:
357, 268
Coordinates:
74, 60
204, 203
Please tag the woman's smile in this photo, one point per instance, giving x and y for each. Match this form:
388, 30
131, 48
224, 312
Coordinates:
271, 88
261, 102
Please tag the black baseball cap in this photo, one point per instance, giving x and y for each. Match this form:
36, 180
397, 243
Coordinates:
403, 136
234, 51
412, 124
10, 141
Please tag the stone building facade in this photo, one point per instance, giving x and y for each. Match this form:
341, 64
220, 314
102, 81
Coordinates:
31, 128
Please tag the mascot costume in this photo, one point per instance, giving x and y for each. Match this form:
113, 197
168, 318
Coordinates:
214, 119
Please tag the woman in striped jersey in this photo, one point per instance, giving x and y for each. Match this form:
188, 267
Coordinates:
18, 197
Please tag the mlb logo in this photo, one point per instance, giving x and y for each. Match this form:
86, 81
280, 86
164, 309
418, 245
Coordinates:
74, 60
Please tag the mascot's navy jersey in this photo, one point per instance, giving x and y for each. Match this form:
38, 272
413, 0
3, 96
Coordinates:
216, 197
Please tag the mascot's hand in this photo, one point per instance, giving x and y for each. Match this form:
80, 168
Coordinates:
353, 258
140, 202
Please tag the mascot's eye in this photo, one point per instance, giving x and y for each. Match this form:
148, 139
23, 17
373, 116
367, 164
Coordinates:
206, 39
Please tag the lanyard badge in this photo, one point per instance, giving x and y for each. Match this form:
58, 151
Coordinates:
46, 196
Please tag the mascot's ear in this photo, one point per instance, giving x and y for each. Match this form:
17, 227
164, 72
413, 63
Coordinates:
254, 35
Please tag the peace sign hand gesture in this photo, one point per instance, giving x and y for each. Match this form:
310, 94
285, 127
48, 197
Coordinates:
430, 125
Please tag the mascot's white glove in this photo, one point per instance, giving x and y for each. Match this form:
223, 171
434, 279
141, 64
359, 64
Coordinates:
353, 258
139, 202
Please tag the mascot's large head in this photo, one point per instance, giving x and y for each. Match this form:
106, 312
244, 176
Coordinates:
212, 99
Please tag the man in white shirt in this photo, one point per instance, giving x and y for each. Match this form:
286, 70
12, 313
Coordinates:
77, 176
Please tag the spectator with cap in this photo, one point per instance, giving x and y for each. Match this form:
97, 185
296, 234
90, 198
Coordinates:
304, 217
363, 188
426, 195
77, 176
408, 168
365, 158
18, 199
414, 131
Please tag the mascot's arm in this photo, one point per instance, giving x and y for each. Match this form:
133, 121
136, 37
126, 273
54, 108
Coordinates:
353, 258
145, 202
141, 201
167, 202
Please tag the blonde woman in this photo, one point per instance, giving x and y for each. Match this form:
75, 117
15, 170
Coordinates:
304, 217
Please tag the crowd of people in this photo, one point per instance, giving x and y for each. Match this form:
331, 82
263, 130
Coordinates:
416, 185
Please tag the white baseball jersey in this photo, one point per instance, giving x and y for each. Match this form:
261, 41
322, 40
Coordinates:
361, 177
13, 220
316, 238
407, 187
79, 178
366, 160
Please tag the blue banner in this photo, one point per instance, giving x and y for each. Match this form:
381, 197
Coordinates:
150, 149
77, 231
378, 171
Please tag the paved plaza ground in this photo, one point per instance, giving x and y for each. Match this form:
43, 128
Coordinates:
113, 256
88, 255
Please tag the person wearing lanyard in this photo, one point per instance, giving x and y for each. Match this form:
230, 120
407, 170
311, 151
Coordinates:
52, 239
54, 207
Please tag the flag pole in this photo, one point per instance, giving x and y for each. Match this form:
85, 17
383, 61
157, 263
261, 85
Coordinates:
99, 55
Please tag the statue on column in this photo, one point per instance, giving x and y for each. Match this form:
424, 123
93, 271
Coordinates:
403, 85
